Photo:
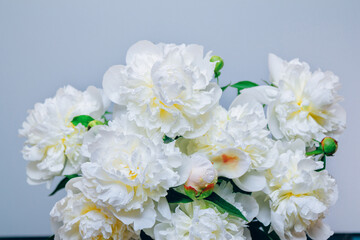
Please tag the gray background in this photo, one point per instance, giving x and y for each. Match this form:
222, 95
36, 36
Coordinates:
47, 44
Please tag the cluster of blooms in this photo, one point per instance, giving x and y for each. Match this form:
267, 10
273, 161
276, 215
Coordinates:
174, 164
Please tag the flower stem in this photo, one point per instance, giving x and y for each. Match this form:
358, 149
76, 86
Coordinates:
315, 152
323, 159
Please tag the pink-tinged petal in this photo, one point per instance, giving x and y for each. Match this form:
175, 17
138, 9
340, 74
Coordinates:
202, 179
231, 162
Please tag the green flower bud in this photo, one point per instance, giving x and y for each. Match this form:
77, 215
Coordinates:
94, 123
329, 146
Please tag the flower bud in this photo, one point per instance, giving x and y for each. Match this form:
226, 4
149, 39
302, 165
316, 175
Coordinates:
202, 179
329, 146
94, 123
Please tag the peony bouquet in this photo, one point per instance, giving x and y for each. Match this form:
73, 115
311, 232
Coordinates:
153, 155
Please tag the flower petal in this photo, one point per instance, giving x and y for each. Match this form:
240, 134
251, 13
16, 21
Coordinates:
231, 162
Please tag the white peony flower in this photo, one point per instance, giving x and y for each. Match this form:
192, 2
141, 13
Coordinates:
76, 217
247, 124
196, 221
53, 142
299, 196
307, 103
130, 174
199, 220
220, 147
213, 140
237, 143
165, 87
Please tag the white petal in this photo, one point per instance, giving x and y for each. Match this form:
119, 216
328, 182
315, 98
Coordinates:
276, 68
113, 82
249, 204
231, 162
278, 224
260, 94
319, 231
141, 51
252, 181
264, 214
163, 208
273, 122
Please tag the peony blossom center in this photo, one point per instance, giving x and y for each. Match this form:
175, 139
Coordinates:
228, 159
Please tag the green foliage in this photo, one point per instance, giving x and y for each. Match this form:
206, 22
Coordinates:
269, 83
225, 87
201, 194
106, 121
317, 151
176, 197
63, 183
323, 159
167, 139
218, 66
93, 123
82, 119
224, 206
243, 84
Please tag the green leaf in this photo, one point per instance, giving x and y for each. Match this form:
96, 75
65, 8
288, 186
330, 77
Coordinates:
167, 139
243, 84
268, 83
82, 119
63, 183
225, 87
106, 121
176, 197
51, 237
273, 236
223, 205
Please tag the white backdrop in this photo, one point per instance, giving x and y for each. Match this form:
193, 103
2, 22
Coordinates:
47, 44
